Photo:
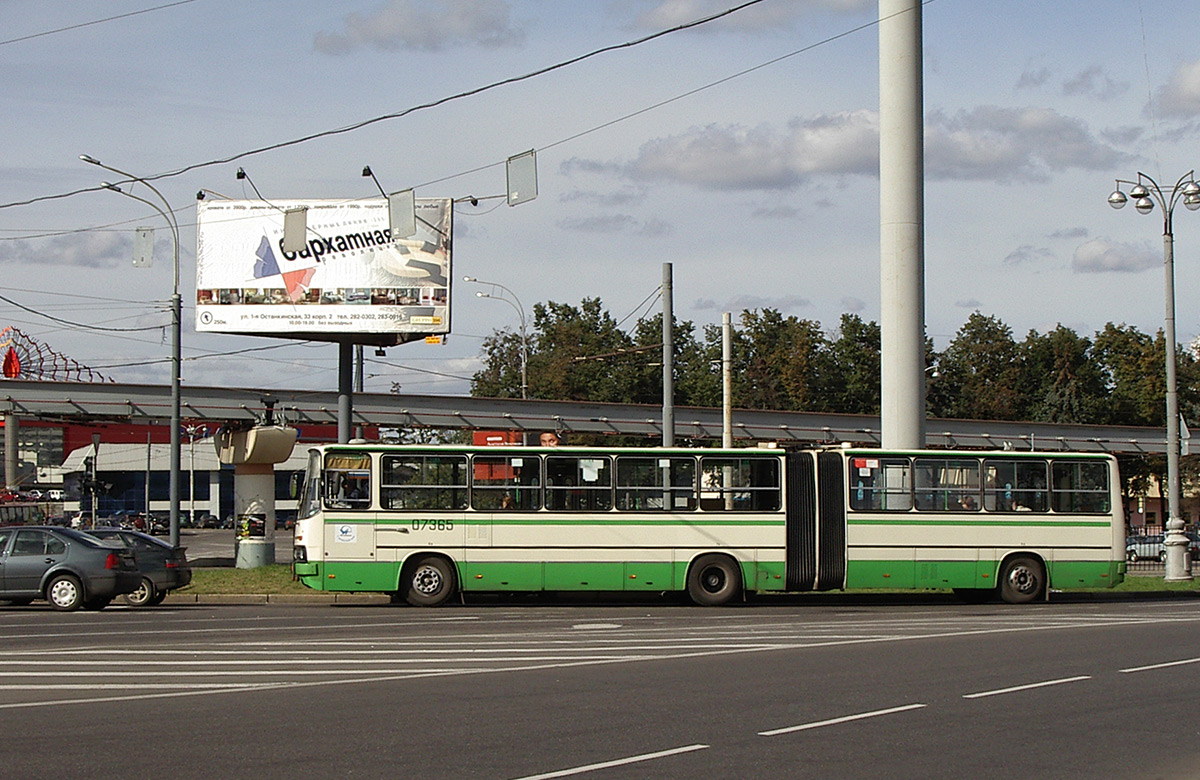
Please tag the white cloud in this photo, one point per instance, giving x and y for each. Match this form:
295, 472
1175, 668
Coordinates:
424, 25
988, 143
853, 305
1180, 97
1033, 78
1093, 82
616, 223
762, 158
750, 302
779, 15
1027, 254
88, 250
1100, 255
1011, 144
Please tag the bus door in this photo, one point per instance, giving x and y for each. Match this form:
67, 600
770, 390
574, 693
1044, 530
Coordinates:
816, 521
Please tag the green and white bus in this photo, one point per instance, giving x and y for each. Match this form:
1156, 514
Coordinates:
428, 522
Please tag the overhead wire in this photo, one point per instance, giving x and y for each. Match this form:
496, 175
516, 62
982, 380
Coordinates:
94, 22
399, 114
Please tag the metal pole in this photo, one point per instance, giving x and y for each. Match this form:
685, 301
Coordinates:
901, 225
176, 326
358, 381
726, 380
176, 418
1178, 564
146, 498
95, 476
345, 390
12, 451
668, 361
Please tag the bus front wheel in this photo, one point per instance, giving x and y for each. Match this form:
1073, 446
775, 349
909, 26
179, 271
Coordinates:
714, 580
429, 582
1022, 579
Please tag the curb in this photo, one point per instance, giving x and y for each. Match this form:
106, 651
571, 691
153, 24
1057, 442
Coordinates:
303, 599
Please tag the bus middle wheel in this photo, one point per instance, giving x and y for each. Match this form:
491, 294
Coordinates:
714, 580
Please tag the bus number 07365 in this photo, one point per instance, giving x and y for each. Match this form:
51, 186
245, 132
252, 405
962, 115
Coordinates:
433, 525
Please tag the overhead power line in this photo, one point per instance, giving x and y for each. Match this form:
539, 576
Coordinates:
96, 21
403, 113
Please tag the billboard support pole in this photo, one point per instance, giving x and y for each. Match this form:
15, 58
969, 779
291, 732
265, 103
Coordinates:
345, 389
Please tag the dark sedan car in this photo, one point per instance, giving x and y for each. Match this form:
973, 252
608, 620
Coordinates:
164, 568
68, 568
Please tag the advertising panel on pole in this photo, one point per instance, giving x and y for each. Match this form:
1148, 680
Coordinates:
351, 280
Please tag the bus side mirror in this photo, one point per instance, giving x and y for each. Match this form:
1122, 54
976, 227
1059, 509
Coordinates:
294, 484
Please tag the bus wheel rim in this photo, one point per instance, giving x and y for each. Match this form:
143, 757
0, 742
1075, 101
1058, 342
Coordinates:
427, 580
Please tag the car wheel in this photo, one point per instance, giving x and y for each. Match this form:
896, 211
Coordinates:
1162, 556
1022, 580
1131, 556
713, 581
143, 596
430, 582
97, 603
65, 593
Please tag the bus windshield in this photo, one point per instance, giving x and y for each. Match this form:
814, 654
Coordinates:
309, 501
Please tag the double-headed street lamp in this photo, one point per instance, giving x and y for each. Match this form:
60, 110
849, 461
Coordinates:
515, 302
176, 316
1146, 193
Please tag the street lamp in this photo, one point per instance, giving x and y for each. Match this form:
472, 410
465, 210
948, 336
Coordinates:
176, 316
515, 302
1146, 192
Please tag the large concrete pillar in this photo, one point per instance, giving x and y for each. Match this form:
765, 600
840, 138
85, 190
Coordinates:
254, 453
901, 225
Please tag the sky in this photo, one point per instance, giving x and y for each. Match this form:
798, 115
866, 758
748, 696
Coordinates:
743, 151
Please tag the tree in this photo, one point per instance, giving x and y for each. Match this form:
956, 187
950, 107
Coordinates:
855, 367
981, 373
780, 362
1063, 382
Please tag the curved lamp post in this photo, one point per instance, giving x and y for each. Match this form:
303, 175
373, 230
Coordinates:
1146, 193
515, 302
176, 315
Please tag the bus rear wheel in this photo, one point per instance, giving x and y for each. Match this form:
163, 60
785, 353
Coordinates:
429, 582
714, 580
1022, 579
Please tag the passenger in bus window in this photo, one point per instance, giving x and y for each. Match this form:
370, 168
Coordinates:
550, 439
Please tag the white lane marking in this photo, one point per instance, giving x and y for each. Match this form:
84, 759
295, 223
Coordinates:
1166, 665
834, 721
594, 626
579, 770
129, 686
1030, 686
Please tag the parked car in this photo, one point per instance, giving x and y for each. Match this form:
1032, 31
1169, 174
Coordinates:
1145, 548
209, 521
68, 568
164, 568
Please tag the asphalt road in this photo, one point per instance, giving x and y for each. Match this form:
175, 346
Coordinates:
216, 546
799, 688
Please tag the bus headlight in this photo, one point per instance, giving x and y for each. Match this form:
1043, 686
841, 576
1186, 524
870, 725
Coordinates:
299, 555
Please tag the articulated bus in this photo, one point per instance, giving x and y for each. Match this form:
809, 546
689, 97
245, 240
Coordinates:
426, 523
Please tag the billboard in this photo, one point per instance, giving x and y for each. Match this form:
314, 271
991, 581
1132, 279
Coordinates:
351, 279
